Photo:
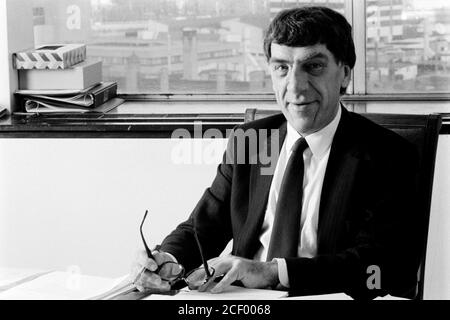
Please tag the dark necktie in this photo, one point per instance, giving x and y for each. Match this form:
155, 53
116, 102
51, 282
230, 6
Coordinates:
286, 226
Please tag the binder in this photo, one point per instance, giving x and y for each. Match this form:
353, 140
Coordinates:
91, 98
44, 108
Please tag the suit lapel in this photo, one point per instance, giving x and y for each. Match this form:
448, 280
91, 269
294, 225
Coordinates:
338, 184
260, 181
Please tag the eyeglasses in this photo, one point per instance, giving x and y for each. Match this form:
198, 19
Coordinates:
173, 272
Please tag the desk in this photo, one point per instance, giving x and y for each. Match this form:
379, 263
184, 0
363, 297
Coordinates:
31, 284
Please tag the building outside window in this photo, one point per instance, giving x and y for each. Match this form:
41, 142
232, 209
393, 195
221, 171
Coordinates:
407, 46
207, 46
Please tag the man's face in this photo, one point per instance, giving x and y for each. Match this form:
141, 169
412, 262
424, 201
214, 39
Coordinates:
307, 81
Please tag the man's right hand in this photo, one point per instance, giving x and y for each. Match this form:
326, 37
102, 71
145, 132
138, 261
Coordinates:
147, 279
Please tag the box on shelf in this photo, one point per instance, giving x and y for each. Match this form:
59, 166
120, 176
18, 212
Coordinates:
54, 56
80, 76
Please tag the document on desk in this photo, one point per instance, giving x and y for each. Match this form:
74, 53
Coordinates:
330, 296
231, 293
60, 286
11, 277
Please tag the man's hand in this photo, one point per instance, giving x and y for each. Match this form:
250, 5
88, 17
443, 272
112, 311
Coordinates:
252, 274
146, 279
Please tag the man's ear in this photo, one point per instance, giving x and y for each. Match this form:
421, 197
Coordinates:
347, 76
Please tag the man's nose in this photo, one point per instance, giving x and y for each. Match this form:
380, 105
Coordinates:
297, 82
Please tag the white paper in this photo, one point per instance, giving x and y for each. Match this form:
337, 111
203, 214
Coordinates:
60, 286
10, 277
340, 296
389, 297
231, 293
331, 296
120, 285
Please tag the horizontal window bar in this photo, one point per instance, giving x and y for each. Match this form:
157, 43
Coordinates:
271, 97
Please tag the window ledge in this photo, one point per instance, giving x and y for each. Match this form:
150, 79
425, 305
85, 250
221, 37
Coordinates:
116, 125
158, 119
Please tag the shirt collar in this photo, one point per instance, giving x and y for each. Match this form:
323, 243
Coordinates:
320, 141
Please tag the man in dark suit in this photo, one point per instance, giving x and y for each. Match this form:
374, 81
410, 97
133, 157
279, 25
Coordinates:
345, 222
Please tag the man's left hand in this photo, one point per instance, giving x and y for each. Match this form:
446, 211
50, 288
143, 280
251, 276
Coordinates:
252, 274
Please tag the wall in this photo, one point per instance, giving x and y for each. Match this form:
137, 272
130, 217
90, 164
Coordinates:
66, 202
80, 202
437, 269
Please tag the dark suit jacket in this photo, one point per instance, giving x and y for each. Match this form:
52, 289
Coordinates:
366, 214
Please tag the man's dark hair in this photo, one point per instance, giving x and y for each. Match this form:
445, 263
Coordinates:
310, 25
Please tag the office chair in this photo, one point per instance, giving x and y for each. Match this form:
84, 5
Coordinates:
423, 132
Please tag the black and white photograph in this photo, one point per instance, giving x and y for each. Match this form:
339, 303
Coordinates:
226, 158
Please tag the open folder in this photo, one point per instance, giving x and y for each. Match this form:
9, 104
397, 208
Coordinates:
126, 291
59, 285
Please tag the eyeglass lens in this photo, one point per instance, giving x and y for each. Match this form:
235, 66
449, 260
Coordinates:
170, 271
198, 277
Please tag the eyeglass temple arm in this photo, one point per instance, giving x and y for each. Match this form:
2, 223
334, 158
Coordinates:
147, 249
205, 264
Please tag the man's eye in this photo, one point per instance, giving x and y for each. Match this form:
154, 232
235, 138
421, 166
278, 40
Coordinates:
281, 68
315, 67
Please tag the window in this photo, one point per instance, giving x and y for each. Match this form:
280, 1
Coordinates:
215, 46
407, 46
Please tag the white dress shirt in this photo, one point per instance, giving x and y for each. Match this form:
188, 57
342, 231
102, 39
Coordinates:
315, 163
